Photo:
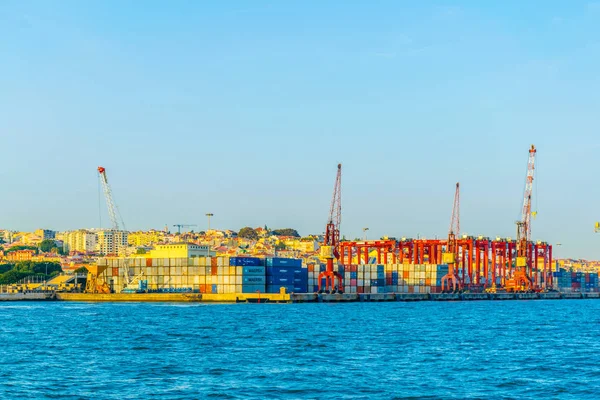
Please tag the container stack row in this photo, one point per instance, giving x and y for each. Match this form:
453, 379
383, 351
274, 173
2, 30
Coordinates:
205, 274
377, 278
287, 273
578, 282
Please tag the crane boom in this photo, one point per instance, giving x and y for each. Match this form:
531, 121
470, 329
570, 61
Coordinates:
455, 219
110, 204
526, 210
521, 279
179, 226
330, 248
450, 281
332, 233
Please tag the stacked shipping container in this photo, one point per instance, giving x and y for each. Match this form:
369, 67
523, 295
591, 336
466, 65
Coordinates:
207, 274
390, 278
287, 273
576, 281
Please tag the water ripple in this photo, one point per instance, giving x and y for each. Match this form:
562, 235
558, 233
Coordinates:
482, 350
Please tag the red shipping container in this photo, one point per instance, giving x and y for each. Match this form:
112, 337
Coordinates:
352, 282
213, 262
115, 271
148, 262
411, 289
310, 267
360, 290
214, 270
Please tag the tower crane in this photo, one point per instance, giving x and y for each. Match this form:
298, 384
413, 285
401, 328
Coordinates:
116, 225
113, 211
179, 226
450, 257
521, 279
330, 250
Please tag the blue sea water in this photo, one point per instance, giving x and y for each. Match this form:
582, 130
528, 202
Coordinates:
486, 350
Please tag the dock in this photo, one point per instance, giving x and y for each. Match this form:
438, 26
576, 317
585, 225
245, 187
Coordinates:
288, 297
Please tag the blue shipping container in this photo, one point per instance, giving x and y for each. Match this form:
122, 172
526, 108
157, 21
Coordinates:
288, 288
258, 271
286, 270
253, 288
246, 261
287, 280
253, 280
283, 262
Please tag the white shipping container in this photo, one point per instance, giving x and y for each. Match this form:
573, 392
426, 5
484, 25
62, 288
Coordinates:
220, 271
226, 280
239, 280
220, 279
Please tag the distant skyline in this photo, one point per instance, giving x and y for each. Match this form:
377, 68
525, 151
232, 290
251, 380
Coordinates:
244, 108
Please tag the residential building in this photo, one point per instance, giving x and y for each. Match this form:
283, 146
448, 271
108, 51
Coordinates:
111, 242
141, 238
6, 236
45, 234
81, 240
20, 255
180, 250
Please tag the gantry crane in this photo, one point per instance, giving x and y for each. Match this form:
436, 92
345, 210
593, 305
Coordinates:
330, 247
179, 226
450, 281
521, 281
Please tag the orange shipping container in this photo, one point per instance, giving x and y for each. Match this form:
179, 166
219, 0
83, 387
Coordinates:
148, 262
405, 274
213, 262
115, 271
214, 270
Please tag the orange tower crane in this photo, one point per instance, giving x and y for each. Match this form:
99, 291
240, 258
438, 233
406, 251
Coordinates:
330, 248
450, 257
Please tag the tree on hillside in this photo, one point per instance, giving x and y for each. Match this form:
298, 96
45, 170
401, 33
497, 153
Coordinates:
141, 250
6, 267
17, 248
248, 233
13, 276
285, 232
47, 245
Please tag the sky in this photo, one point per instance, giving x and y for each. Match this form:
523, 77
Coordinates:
245, 108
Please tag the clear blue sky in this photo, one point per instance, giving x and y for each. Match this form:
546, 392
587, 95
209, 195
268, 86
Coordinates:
244, 109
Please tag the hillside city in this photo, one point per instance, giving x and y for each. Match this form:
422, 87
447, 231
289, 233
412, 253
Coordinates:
74, 249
